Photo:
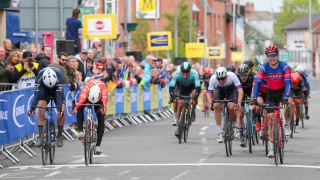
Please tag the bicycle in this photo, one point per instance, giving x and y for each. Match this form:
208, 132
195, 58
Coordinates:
264, 127
228, 130
90, 134
48, 135
185, 119
248, 130
279, 137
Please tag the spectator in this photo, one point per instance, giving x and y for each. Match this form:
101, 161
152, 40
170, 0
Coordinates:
5, 69
25, 73
82, 63
76, 65
60, 64
33, 50
7, 44
13, 58
44, 57
90, 53
103, 60
71, 72
108, 59
96, 47
78, 80
148, 64
74, 28
112, 68
99, 69
89, 67
132, 59
20, 56
138, 75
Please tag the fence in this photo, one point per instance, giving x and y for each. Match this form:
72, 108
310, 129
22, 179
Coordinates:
125, 106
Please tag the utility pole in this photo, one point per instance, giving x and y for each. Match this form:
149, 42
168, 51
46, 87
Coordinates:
205, 32
310, 40
190, 27
175, 29
156, 22
125, 25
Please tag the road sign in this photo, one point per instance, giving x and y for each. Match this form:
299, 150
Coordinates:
214, 52
284, 56
237, 56
158, 41
102, 26
194, 50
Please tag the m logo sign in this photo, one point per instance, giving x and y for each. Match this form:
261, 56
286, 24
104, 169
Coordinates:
147, 7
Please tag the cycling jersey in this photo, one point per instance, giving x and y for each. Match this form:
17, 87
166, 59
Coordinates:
264, 85
206, 80
42, 92
306, 81
231, 82
247, 86
276, 78
85, 92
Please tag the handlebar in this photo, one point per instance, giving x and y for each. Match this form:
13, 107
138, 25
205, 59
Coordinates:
183, 97
223, 101
46, 107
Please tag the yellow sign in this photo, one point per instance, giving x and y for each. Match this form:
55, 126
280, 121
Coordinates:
139, 98
165, 97
111, 86
127, 100
154, 96
111, 105
102, 26
237, 56
194, 50
148, 9
158, 41
214, 52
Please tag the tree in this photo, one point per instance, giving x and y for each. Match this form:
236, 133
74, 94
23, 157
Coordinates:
292, 10
183, 17
139, 37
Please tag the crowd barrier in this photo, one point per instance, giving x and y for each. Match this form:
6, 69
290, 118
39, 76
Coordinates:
125, 106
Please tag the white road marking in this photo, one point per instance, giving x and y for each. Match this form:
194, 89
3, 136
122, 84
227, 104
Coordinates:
53, 173
82, 160
135, 178
204, 128
180, 175
124, 173
206, 150
203, 140
201, 133
167, 164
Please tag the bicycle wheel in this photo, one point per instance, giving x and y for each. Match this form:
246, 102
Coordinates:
226, 135
301, 115
87, 142
230, 138
275, 141
181, 124
44, 139
281, 145
252, 123
265, 133
248, 132
292, 122
52, 141
93, 138
186, 128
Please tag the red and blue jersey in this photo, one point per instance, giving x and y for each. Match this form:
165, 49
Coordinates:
264, 85
276, 78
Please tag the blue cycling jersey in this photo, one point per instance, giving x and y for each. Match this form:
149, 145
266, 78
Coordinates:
192, 79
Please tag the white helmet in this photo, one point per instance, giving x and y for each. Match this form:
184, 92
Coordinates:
49, 77
299, 69
221, 72
94, 94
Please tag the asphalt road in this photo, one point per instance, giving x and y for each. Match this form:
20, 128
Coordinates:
150, 151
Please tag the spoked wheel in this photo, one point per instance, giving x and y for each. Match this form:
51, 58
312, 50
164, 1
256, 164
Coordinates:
93, 142
186, 130
249, 133
52, 141
281, 145
87, 143
302, 115
181, 124
276, 141
265, 133
44, 139
292, 124
226, 135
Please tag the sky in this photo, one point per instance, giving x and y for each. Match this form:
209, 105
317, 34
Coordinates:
265, 5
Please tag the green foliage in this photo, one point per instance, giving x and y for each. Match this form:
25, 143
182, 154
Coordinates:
183, 17
292, 10
139, 37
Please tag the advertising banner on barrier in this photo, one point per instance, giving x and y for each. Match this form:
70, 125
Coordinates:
154, 104
111, 105
134, 99
127, 100
139, 98
165, 96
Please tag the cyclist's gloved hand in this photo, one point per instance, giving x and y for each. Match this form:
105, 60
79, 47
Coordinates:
31, 111
254, 102
285, 101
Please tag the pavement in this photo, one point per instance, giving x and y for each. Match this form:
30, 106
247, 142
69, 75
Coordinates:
151, 151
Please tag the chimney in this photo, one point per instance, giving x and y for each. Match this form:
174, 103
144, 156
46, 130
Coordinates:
250, 6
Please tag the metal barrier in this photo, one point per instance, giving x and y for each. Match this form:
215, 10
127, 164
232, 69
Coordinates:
8, 86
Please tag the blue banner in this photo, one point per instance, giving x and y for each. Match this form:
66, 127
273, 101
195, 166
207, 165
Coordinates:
134, 99
146, 99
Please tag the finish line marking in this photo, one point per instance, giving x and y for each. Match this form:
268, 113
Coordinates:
163, 165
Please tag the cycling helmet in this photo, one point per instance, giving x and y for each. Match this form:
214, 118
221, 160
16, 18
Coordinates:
295, 77
221, 72
231, 68
94, 94
249, 63
185, 66
299, 69
207, 70
243, 69
49, 78
271, 49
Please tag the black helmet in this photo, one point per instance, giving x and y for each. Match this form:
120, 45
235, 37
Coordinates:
185, 66
243, 69
249, 63
231, 68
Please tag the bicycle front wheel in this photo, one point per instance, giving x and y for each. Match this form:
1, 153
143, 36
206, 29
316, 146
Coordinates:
276, 141
44, 139
87, 142
292, 122
52, 141
249, 132
302, 115
182, 124
186, 128
281, 144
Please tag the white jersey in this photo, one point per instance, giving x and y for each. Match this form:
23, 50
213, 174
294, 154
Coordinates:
232, 81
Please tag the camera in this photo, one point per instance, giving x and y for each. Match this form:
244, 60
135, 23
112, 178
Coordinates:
30, 60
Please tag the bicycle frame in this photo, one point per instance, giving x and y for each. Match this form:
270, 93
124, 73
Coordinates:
185, 118
249, 135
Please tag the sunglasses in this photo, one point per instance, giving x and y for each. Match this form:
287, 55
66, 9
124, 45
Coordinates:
221, 79
101, 69
64, 60
185, 72
243, 74
272, 55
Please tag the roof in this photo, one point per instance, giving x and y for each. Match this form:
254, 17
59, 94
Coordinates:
303, 22
259, 15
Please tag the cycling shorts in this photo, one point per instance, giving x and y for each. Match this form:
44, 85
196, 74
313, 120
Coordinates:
205, 86
274, 97
221, 93
186, 90
263, 95
296, 92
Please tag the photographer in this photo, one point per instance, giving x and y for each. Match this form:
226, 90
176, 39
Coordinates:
25, 72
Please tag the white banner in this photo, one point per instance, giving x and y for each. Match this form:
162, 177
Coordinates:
148, 8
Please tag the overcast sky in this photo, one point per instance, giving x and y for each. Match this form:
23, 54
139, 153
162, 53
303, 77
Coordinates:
265, 5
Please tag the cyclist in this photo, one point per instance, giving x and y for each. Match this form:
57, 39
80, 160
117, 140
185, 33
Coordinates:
231, 68
250, 65
305, 78
49, 84
189, 84
246, 79
278, 76
95, 92
262, 96
205, 78
226, 85
298, 87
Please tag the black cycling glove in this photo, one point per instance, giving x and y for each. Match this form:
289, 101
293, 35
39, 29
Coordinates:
254, 102
285, 101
